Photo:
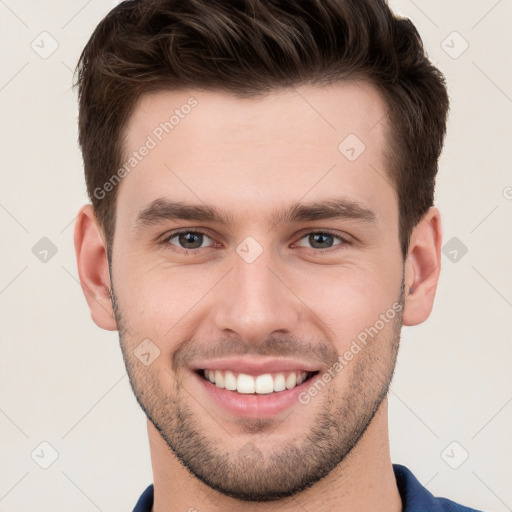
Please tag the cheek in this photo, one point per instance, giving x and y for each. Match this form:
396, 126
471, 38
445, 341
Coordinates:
154, 298
346, 301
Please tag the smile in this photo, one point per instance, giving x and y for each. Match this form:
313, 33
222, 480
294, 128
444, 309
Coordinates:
258, 384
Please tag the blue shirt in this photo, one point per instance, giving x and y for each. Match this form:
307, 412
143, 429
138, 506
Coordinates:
415, 498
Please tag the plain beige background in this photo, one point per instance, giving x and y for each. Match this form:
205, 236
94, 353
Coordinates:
62, 379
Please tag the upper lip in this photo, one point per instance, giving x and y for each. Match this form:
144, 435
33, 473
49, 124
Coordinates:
256, 366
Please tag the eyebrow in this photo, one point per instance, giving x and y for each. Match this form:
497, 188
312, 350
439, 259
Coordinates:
161, 210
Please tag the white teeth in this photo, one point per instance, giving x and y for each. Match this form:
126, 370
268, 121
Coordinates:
279, 382
229, 380
291, 381
219, 378
245, 383
261, 384
264, 384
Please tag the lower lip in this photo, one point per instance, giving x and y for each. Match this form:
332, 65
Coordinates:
252, 405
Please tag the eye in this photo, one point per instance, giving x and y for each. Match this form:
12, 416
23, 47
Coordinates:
322, 240
192, 240
188, 239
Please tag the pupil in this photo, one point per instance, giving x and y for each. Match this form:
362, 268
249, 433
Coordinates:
191, 240
320, 238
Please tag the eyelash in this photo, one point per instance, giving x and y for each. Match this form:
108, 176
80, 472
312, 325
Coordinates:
182, 250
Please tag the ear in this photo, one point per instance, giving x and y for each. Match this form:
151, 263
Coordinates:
92, 262
422, 268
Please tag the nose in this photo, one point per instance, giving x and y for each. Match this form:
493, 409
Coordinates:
255, 301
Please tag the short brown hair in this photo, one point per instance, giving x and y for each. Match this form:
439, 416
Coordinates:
252, 47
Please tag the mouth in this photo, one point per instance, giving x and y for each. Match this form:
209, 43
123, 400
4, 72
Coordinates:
263, 384
254, 388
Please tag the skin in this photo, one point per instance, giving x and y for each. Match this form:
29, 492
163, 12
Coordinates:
250, 157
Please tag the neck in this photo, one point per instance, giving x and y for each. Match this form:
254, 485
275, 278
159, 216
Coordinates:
364, 481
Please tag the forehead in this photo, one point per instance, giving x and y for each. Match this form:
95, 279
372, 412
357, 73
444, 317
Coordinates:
211, 146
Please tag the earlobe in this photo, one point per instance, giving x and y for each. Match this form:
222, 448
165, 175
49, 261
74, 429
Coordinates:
422, 268
92, 263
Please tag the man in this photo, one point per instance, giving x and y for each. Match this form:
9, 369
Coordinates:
262, 224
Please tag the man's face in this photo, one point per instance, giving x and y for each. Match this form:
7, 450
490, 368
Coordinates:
298, 288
